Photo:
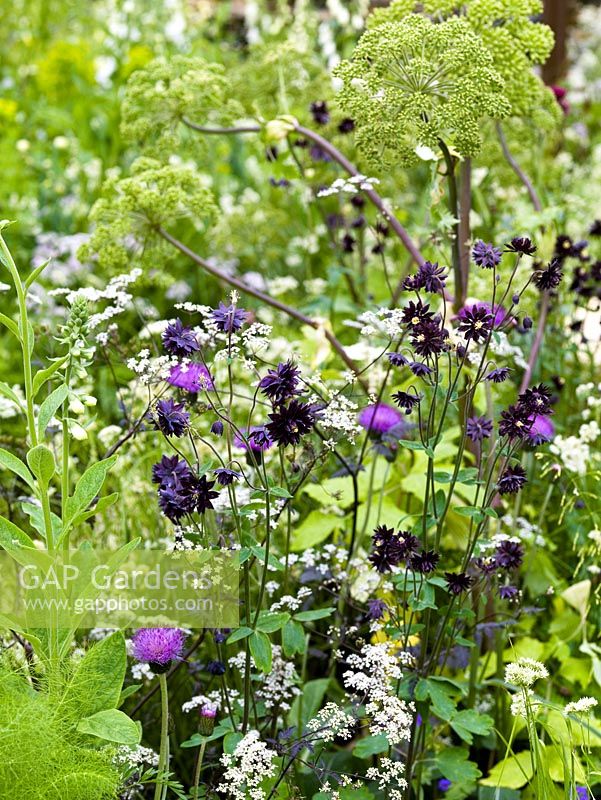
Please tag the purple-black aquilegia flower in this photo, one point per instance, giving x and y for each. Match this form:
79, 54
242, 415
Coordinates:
397, 359
458, 582
346, 125
509, 554
217, 428
425, 561
549, 278
430, 277
319, 112
257, 437
498, 375
387, 549
158, 647
420, 370
226, 476
289, 423
512, 480
515, 422
536, 400
170, 471
171, 418
191, 377
522, 245
178, 340
406, 400
486, 255
281, 383
478, 428
376, 609
476, 323
379, 418
229, 319
429, 338
508, 592
414, 313
216, 668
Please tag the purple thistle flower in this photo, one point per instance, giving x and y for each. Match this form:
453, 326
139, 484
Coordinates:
289, 423
498, 375
257, 437
171, 419
281, 383
226, 476
512, 480
178, 340
206, 721
397, 359
406, 401
379, 418
158, 646
541, 429
229, 319
191, 377
478, 428
486, 255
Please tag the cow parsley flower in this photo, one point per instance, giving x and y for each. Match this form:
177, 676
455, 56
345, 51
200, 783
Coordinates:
332, 722
246, 768
525, 672
582, 706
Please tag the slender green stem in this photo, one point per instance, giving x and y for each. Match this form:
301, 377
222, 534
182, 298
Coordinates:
164, 748
201, 753
454, 209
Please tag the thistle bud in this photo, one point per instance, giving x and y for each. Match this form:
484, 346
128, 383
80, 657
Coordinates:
206, 723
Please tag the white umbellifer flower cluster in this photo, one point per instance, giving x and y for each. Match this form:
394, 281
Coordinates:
589, 432
340, 415
389, 775
525, 672
115, 291
290, 603
574, 453
211, 701
521, 702
150, 369
349, 185
332, 722
386, 321
278, 688
246, 768
136, 756
582, 706
373, 674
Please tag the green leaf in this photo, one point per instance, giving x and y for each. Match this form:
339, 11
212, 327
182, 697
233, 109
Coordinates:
314, 529
270, 621
277, 491
113, 726
316, 613
513, 772
98, 678
128, 692
307, 704
260, 650
231, 741
240, 633
41, 463
468, 722
293, 638
371, 746
38, 523
14, 464
11, 537
44, 375
454, 765
442, 705
409, 444
49, 408
12, 395
87, 488
11, 325
34, 274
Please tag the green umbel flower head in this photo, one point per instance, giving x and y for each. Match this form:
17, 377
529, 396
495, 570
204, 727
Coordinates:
159, 96
132, 210
414, 81
511, 32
